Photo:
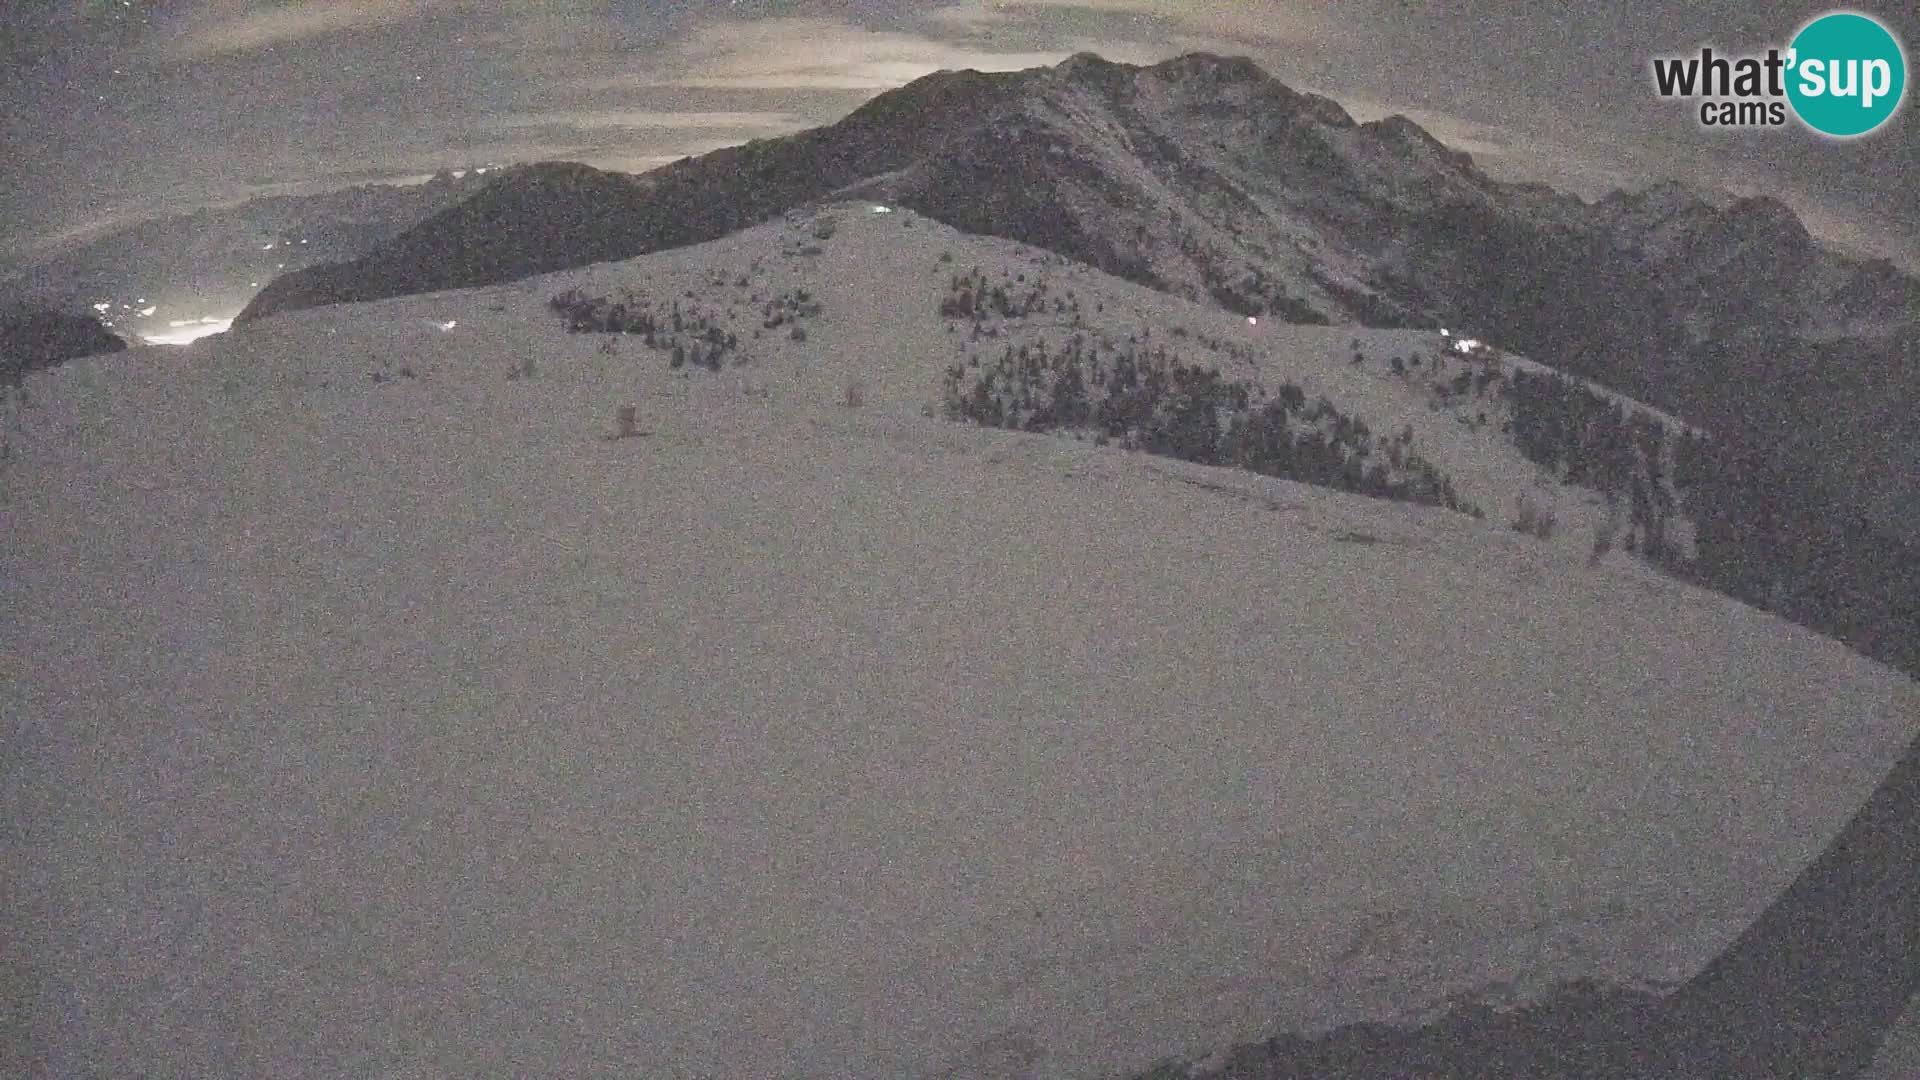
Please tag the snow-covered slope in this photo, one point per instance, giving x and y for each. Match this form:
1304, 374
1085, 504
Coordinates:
371, 711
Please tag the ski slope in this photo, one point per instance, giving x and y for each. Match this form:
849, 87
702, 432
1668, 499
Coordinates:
415, 727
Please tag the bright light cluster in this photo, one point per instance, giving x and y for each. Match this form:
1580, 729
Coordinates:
183, 331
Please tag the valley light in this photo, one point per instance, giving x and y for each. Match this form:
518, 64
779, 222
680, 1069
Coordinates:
883, 209
1251, 321
449, 324
185, 331
103, 305
268, 247
149, 310
1443, 331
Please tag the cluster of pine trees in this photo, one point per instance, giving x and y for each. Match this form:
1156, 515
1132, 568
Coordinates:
1591, 440
697, 339
1773, 537
790, 307
1470, 383
1251, 291
970, 296
1145, 399
1764, 532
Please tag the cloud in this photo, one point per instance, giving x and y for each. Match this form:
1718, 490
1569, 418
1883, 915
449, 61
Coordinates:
814, 54
52, 241
648, 120
223, 27
1458, 132
1220, 20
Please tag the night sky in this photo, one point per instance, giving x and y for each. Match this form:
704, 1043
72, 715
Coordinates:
120, 109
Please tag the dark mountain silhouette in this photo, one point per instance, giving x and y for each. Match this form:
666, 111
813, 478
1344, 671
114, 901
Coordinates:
32, 338
542, 218
535, 219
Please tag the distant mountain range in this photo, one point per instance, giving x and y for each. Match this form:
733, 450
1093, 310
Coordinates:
207, 264
1205, 177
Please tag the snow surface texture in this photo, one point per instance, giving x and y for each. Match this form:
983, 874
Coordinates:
415, 727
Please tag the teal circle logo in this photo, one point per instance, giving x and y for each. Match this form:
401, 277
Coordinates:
1846, 74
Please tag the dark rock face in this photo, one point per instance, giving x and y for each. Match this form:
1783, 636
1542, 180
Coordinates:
32, 338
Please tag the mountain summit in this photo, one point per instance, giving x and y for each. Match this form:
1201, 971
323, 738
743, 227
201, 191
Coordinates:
1202, 176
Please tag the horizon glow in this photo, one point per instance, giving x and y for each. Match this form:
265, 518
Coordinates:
187, 331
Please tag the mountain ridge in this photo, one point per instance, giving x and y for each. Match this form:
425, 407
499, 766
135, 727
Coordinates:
1273, 152
33, 338
1205, 177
